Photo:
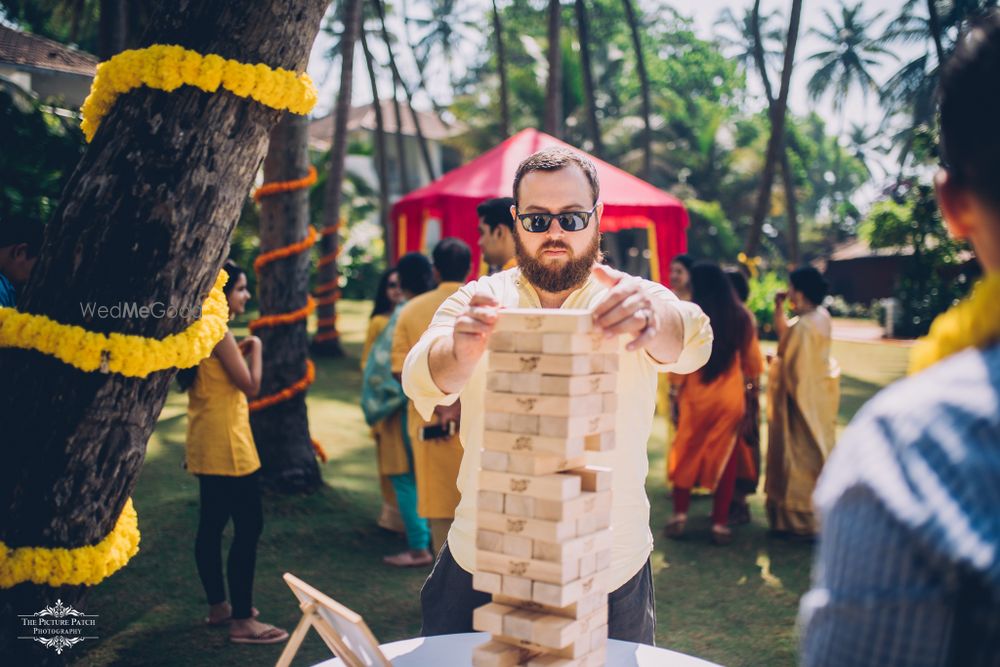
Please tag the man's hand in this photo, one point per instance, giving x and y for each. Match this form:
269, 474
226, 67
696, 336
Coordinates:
473, 329
626, 308
449, 413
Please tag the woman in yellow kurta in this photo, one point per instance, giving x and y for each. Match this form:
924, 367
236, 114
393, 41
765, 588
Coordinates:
803, 394
712, 405
220, 451
388, 433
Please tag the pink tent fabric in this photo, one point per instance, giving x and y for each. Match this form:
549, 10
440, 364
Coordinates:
629, 202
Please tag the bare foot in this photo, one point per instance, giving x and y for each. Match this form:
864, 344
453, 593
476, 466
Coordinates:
252, 631
411, 558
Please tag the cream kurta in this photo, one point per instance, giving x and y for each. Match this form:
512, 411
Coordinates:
803, 394
632, 540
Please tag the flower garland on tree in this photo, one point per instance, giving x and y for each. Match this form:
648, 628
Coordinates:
327, 293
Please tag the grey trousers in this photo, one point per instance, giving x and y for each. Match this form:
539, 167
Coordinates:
447, 600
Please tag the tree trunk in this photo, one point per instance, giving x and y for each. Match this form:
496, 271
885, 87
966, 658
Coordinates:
421, 140
502, 71
640, 63
112, 28
583, 32
935, 24
380, 162
776, 141
146, 217
288, 461
553, 88
401, 166
791, 205
327, 342
421, 78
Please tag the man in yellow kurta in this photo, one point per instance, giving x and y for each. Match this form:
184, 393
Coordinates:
435, 461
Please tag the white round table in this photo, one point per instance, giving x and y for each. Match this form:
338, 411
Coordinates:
456, 651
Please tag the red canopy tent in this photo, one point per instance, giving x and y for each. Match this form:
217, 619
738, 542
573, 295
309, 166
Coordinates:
629, 202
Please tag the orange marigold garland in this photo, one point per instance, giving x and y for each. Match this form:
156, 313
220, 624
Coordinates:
277, 187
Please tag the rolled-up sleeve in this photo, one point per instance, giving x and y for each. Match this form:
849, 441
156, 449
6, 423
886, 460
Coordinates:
697, 336
418, 384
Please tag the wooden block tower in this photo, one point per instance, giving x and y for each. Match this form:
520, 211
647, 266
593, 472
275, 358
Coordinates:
543, 540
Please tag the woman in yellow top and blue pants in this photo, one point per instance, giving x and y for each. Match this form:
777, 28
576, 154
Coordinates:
221, 453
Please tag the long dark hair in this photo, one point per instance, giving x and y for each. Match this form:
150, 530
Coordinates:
383, 304
731, 325
186, 376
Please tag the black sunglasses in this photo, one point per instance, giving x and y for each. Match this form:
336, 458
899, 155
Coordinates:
570, 221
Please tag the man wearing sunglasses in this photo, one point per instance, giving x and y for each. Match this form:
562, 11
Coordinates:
557, 242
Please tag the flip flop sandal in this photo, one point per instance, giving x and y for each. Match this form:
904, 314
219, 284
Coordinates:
675, 528
721, 538
272, 635
254, 613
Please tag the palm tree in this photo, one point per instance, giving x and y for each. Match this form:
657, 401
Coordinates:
327, 340
640, 63
738, 40
381, 168
75, 441
502, 72
777, 138
451, 22
553, 88
583, 32
288, 462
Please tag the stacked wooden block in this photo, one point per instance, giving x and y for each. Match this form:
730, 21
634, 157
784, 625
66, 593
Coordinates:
543, 533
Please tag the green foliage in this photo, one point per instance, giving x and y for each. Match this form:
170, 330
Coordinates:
912, 224
38, 156
761, 301
711, 233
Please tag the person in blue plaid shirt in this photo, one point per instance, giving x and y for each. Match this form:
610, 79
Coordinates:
19, 245
908, 562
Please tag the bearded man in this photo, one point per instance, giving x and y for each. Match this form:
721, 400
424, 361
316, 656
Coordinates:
557, 215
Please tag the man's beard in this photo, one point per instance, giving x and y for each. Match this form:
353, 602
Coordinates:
557, 278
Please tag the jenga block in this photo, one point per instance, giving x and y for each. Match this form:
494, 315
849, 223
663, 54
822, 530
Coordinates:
536, 570
571, 320
570, 549
610, 405
586, 503
524, 424
603, 559
559, 632
600, 442
609, 363
552, 364
576, 385
596, 658
488, 582
592, 478
490, 459
561, 595
490, 501
582, 608
588, 564
518, 588
499, 654
566, 448
548, 487
519, 506
577, 343
518, 383
535, 529
571, 427
540, 464
519, 624
501, 341
497, 421
536, 404
599, 637
547, 660
593, 522
517, 546
489, 618
577, 649
489, 540
529, 342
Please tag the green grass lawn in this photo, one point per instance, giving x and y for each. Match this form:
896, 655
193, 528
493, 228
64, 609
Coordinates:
734, 605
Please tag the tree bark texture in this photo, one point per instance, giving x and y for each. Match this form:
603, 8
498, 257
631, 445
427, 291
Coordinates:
380, 161
502, 71
146, 217
281, 431
553, 88
583, 32
329, 343
776, 142
647, 107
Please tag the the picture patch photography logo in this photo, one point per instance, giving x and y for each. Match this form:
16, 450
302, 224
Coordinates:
58, 627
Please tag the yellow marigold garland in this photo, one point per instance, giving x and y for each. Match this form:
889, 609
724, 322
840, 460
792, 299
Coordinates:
129, 355
971, 323
87, 565
168, 67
